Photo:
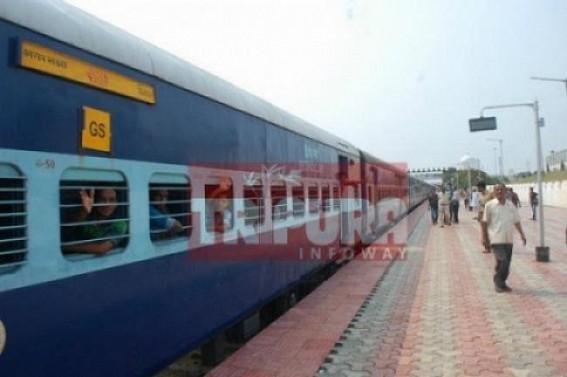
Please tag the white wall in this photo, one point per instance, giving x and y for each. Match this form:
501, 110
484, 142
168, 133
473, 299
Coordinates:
554, 193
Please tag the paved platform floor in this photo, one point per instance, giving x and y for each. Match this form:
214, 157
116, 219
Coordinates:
433, 314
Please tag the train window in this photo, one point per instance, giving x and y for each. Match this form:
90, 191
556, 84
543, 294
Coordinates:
298, 195
254, 204
219, 212
336, 198
170, 206
357, 194
279, 200
313, 193
326, 197
13, 214
93, 211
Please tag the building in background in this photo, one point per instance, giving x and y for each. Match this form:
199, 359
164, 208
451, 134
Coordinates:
556, 160
431, 176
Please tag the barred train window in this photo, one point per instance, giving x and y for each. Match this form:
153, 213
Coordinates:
13, 214
298, 195
93, 211
279, 200
336, 199
254, 204
313, 191
326, 197
219, 197
170, 206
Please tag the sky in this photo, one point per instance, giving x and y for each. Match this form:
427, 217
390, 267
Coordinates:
397, 78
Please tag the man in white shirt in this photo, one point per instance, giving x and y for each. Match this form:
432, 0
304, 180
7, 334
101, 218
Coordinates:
499, 220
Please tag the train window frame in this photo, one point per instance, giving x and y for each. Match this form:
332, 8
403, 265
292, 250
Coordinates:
254, 212
213, 189
357, 196
13, 222
178, 206
279, 208
313, 200
336, 197
298, 200
326, 205
71, 182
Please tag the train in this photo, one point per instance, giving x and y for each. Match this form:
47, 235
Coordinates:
86, 106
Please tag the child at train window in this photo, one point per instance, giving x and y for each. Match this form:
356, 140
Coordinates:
161, 224
103, 233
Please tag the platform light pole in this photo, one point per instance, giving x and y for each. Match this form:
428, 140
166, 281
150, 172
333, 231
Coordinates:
542, 251
466, 161
501, 158
496, 160
550, 79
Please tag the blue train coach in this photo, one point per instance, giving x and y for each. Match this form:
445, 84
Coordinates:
101, 133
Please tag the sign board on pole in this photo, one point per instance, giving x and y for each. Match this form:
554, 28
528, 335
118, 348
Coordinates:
482, 124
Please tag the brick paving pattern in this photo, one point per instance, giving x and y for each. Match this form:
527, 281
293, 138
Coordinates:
434, 314
454, 323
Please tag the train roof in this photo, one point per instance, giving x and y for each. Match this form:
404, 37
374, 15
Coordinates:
64, 22
396, 167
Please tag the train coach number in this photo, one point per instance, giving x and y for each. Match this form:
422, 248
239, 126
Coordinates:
96, 130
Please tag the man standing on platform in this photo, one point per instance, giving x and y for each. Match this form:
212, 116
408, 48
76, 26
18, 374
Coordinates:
499, 220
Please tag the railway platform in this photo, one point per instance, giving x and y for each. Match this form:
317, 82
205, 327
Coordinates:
433, 313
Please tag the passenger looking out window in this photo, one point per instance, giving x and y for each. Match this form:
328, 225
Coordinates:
102, 229
219, 212
162, 224
222, 216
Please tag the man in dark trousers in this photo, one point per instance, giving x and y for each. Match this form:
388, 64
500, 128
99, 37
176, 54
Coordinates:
433, 206
499, 220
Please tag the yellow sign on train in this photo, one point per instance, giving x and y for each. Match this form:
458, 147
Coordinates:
43, 59
96, 133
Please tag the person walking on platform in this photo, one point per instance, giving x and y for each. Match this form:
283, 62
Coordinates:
514, 198
499, 220
433, 206
533, 203
454, 206
484, 197
444, 202
474, 202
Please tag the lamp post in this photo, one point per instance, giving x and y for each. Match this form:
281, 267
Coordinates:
501, 158
496, 160
550, 79
466, 163
542, 252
